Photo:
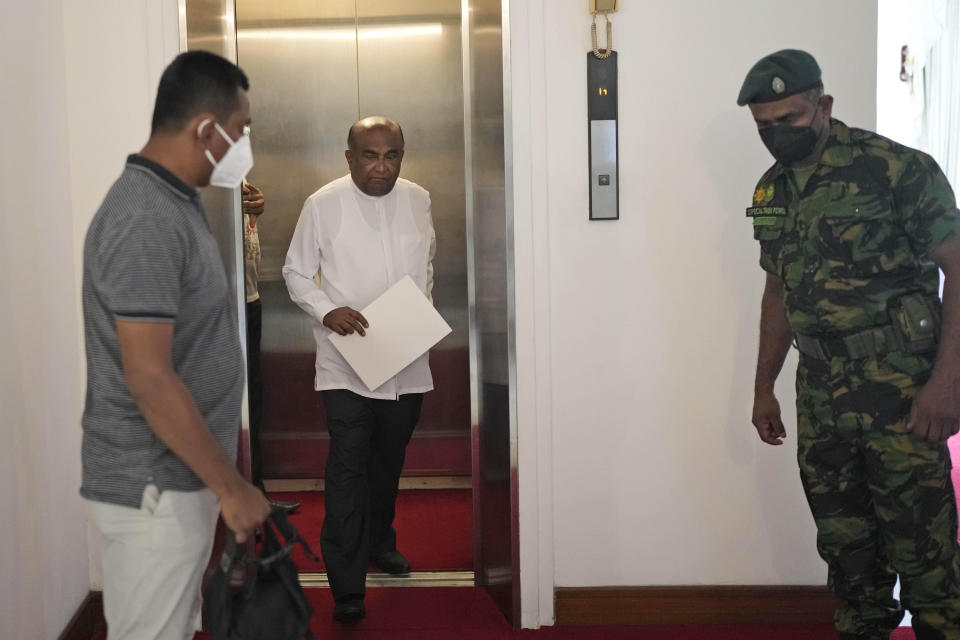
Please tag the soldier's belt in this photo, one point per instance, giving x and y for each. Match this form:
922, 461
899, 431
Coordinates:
915, 328
863, 344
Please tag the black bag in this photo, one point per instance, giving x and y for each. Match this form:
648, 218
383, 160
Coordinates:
271, 604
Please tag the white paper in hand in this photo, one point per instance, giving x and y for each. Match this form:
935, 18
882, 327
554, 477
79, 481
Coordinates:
403, 326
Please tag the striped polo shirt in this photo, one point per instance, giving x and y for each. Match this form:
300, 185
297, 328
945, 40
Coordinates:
149, 256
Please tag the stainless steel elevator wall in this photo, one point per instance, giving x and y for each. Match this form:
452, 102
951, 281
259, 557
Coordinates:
496, 540
311, 78
209, 27
303, 87
315, 68
417, 80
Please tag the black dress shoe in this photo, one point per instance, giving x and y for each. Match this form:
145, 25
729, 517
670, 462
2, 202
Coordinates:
350, 610
392, 562
289, 507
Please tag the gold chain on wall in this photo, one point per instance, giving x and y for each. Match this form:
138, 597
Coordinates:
593, 33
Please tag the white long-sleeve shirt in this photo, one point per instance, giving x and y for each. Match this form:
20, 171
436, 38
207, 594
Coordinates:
361, 245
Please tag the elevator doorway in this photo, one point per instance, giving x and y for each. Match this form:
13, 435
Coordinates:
314, 69
437, 67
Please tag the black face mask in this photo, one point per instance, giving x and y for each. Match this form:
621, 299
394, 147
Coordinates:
789, 144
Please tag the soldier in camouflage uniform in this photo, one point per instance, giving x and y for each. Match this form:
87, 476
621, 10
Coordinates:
852, 228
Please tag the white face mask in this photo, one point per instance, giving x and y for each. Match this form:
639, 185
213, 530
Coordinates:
235, 163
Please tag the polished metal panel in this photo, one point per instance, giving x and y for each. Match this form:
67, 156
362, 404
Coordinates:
209, 25
301, 61
410, 70
514, 440
603, 170
406, 483
490, 250
413, 579
303, 86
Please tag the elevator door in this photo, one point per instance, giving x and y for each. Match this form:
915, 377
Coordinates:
315, 65
315, 68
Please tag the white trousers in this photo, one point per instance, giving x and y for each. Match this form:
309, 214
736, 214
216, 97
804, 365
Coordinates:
153, 561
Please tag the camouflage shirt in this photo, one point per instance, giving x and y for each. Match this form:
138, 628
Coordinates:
858, 236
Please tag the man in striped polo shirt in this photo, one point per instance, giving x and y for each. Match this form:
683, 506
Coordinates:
164, 362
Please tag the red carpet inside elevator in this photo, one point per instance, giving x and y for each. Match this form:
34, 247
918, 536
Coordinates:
434, 528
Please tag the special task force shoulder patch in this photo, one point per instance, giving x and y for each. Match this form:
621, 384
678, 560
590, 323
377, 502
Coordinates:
766, 212
761, 212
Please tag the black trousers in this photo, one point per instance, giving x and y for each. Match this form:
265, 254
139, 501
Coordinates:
255, 389
368, 442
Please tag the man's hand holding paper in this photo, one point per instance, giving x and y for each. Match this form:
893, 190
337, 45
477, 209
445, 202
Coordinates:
405, 327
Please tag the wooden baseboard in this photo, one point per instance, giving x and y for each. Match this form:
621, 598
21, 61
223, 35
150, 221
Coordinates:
595, 606
693, 605
87, 618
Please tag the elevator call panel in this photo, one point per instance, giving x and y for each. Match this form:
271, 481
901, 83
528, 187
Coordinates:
602, 118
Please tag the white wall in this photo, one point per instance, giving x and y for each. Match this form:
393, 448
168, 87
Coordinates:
637, 338
903, 114
915, 24
78, 82
112, 77
43, 559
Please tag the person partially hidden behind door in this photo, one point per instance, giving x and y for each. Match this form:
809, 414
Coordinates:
252, 201
852, 227
164, 361
363, 233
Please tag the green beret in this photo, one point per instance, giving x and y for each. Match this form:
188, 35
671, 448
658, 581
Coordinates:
779, 75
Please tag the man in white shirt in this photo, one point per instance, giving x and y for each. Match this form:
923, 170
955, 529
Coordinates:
363, 233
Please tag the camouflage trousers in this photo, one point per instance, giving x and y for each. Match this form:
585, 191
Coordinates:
882, 498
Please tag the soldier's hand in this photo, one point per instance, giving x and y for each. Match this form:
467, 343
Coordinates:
935, 414
766, 418
345, 321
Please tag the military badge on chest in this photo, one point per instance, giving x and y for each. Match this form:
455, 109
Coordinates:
765, 210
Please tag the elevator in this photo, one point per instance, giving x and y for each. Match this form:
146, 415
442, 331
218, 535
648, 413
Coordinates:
314, 69
437, 68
